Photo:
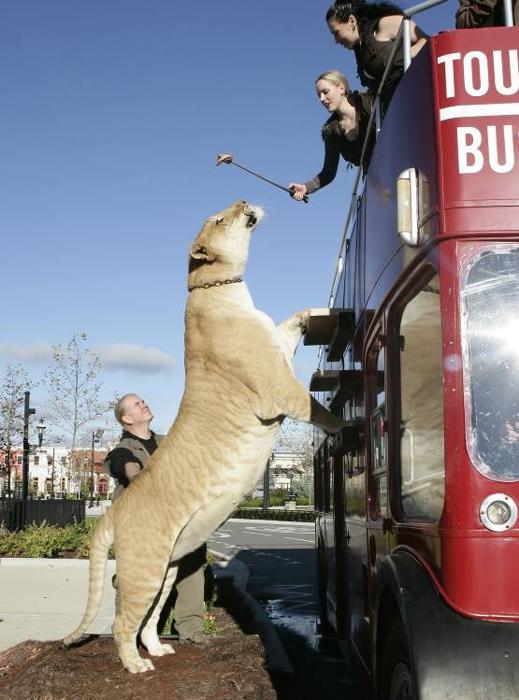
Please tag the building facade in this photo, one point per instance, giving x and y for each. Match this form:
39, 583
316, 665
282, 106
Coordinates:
54, 472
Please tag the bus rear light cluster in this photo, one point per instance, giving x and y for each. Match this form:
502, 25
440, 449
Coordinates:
498, 512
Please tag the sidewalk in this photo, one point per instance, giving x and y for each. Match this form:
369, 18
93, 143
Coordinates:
44, 599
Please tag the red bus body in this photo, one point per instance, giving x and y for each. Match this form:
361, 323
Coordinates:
402, 542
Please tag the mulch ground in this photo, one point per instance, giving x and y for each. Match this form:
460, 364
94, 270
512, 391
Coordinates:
230, 666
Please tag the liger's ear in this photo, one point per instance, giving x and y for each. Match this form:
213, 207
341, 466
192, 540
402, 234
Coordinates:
199, 251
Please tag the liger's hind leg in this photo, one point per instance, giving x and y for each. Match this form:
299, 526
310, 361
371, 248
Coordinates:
138, 592
149, 636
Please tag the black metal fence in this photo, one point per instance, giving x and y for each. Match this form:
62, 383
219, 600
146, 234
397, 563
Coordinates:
15, 514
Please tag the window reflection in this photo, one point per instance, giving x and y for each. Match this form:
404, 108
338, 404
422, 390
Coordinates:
422, 476
378, 438
491, 361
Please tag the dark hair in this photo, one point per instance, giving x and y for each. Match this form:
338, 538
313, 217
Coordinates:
361, 10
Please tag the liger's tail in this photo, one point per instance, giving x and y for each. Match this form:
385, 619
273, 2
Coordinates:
103, 538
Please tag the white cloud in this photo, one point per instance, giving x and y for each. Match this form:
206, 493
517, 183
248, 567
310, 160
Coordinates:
34, 353
117, 356
130, 356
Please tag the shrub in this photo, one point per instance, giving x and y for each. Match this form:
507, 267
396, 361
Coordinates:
258, 514
251, 503
47, 541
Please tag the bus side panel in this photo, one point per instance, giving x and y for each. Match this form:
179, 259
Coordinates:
357, 560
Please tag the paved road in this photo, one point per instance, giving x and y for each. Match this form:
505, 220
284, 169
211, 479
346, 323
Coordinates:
281, 560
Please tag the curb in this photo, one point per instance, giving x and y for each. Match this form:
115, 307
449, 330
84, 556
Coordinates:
235, 574
272, 521
275, 653
49, 562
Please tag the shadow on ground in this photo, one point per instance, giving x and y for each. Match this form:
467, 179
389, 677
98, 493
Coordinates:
283, 581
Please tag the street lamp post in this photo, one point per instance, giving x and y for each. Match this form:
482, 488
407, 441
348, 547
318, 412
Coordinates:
290, 476
266, 484
52, 473
27, 412
96, 437
8, 469
41, 427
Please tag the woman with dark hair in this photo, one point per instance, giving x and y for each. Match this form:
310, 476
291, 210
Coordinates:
343, 133
369, 29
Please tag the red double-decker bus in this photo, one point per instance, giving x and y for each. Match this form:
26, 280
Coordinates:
418, 530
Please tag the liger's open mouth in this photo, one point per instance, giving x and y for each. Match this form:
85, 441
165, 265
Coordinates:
252, 219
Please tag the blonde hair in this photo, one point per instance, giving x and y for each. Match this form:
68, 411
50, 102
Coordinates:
120, 410
337, 78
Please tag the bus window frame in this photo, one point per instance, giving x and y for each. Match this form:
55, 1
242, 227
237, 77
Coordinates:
376, 346
417, 283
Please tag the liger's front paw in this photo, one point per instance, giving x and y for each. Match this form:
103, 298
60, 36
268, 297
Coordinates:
303, 317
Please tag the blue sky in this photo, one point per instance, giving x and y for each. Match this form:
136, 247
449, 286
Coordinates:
113, 112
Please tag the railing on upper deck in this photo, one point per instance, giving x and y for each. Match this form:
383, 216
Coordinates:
404, 35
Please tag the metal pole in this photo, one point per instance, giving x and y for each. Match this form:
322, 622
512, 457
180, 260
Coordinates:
8, 468
509, 14
92, 473
230, 161
52, 472
266, 486
27, 412
406, 40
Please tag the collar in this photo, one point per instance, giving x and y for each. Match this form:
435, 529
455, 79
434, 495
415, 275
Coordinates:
218, 283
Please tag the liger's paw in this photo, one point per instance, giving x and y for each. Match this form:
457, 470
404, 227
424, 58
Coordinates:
160, 649
136, 664
304, 317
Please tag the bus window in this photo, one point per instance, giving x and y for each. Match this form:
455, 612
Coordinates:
490, 340
355, 492
318, 480
378, 439
327, 482
422, 467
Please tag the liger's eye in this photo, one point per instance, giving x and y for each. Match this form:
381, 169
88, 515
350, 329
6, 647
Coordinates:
218, 221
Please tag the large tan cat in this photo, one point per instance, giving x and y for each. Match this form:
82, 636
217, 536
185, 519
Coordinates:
239, 386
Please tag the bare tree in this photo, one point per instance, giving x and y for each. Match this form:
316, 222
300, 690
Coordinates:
297, 438
73, 386
15, 382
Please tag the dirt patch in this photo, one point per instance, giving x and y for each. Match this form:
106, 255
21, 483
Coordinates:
229, 666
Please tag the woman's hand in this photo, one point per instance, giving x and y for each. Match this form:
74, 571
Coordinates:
297, 191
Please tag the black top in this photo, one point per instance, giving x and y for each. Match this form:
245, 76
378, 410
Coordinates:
120, 456
336, 144
372, 58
